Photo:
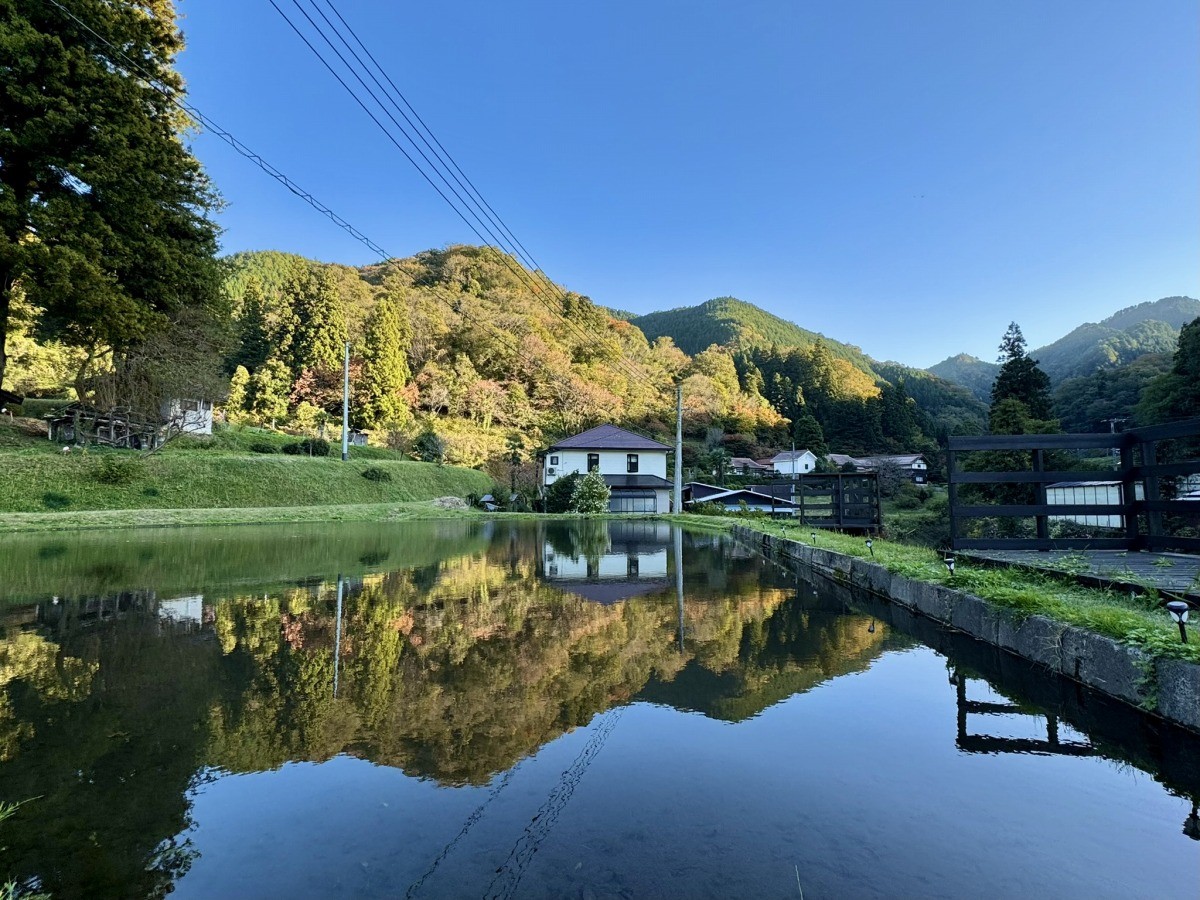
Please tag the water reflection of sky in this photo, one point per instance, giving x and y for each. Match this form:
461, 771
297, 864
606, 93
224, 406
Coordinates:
706, 725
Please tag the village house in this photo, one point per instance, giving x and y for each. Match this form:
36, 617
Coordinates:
634, 467
913, 465
743, 465
793, 463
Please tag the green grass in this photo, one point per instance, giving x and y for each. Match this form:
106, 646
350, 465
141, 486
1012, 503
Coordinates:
214, 475
1131, 620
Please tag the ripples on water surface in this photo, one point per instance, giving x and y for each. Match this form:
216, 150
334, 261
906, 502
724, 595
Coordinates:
544, 710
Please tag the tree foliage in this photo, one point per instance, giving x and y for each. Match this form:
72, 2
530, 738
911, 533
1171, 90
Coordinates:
104, 229
1020, 380
590, 494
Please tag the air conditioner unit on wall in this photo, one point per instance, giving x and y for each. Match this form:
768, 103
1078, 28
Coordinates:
550, 471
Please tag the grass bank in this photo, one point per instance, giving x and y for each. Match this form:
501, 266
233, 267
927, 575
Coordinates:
212, 482
1136, 620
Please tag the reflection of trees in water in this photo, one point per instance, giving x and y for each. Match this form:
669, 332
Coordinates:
110, 748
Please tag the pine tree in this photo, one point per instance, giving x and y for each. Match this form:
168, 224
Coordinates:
271, 384
320, 322
1020, 378
239, 394
384, 367
807, 433
91, 162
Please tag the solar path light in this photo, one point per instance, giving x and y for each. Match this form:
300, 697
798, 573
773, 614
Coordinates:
1179, 613
871, 546
949, 561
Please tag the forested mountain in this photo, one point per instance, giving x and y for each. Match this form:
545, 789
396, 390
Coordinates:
464, 344
1121, 338
1151, 327
776, 347
730, 322
969, 372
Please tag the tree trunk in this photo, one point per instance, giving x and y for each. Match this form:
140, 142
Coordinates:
7, 283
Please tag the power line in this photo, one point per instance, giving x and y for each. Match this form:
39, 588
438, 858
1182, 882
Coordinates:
132, 67
621, 360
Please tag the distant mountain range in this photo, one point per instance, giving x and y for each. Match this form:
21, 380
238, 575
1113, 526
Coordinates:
1151, 327
737, 324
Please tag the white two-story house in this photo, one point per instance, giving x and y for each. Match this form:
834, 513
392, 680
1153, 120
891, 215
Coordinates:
634, 467
793, 463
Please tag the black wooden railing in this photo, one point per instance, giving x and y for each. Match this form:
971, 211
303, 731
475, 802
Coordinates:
1137, 451
836, 500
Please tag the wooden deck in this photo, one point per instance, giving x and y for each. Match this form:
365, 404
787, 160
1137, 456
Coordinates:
1176, 573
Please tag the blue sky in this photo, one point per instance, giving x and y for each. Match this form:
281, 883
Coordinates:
904, 176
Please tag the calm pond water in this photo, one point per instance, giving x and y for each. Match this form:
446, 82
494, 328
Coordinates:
466, 709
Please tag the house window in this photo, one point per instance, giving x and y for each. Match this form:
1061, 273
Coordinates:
631, 462
633, 502
554, 460
593, 462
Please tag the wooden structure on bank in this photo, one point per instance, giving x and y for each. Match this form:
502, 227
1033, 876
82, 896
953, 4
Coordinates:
847, 502
1137, 452
116, 427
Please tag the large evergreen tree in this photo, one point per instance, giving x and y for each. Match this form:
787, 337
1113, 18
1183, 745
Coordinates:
103, 211
384, 366
1019, 379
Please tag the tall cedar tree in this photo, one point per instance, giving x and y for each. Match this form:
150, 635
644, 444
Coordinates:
384, 366
1020, 379
103, 211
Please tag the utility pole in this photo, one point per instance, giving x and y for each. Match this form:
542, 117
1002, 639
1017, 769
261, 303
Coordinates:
1112, 429
679, 447
346, 405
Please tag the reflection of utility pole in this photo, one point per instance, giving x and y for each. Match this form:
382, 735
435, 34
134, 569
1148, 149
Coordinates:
337, 638
679, 580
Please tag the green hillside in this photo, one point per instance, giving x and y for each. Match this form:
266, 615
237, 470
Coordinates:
1118, 340
1126, 335
969, 372
731, 322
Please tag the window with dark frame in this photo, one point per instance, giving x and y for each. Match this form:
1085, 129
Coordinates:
631, 462
593, 462
554, 460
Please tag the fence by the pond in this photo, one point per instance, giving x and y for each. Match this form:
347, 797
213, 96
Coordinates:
843, 501
1144, 493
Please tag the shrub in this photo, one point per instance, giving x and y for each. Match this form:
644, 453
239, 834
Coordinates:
590, 494
429, 447
51, 500
114, 469
261, 447
558, 495
376, 474
707, 509
308, 447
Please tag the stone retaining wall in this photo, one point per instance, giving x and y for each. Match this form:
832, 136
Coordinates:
1168, 687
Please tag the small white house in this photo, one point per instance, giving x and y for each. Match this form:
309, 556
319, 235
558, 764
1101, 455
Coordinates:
793, 463
634, 467
188, 416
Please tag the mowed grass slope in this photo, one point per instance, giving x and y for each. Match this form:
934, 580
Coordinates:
36, 478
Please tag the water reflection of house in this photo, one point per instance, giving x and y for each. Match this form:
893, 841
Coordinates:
627, 559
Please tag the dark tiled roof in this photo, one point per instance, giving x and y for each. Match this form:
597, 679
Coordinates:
608, 437
616, 482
